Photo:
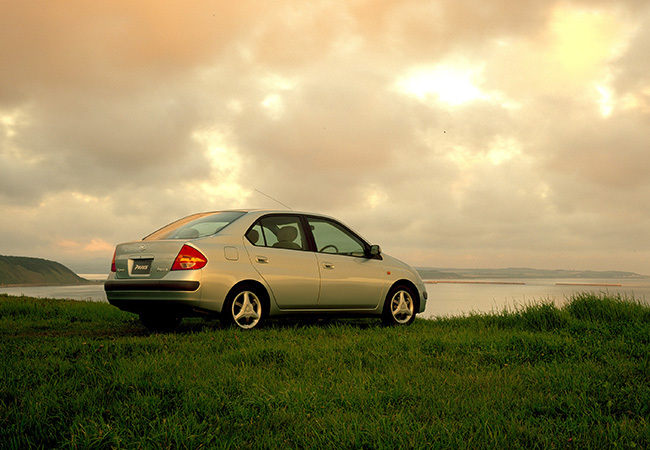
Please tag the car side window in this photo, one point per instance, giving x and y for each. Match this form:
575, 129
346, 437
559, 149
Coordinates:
332, 237
255, 235
283, 231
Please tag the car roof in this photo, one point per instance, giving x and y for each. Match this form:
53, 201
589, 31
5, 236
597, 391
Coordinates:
261, 211
251, 215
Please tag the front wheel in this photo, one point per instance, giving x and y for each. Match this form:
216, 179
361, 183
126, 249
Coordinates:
245, 308
399, 308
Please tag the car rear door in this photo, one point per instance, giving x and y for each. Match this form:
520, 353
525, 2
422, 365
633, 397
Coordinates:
280, 253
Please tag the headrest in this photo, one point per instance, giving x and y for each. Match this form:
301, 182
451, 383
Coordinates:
287, 234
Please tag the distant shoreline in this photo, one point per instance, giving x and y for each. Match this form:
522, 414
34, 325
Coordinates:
80, 283
431, 273
471, 282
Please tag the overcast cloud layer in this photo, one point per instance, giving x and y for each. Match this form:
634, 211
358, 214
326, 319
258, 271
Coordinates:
454, 133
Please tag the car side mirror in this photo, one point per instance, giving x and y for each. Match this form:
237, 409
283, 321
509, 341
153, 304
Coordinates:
375, 250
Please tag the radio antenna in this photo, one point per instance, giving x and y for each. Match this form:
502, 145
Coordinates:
275, 200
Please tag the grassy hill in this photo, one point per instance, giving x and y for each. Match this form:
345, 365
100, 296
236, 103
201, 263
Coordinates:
21, 270
79, 375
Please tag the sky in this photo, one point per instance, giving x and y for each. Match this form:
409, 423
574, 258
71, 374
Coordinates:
454, 133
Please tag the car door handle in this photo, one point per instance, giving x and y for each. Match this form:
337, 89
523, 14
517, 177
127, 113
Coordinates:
262, 259
327, 265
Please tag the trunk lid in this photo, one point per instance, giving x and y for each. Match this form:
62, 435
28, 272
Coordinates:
146, 259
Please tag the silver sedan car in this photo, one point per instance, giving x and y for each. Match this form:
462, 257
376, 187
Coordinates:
246, 266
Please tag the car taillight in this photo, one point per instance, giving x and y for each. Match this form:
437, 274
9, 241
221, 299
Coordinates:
189, 258
113, 269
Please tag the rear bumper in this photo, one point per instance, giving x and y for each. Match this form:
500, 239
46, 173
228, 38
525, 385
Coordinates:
178, 297
151, 285
178, 308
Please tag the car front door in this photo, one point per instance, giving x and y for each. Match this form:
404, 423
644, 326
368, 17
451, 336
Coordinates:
349, 279
280, 254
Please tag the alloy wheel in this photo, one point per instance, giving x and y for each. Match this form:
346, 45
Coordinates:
246, 309
402, 307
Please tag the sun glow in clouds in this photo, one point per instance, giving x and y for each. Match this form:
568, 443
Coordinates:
273, 103
10, 120
274, 106
375, 196
226, 165
605, 101
584, 39
448, 84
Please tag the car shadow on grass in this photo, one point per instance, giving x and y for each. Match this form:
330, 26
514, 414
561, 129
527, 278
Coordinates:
198, 325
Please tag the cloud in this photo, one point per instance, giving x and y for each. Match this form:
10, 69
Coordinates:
451, 132
108, 45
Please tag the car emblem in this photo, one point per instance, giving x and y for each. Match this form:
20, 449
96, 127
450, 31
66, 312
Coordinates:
143, 247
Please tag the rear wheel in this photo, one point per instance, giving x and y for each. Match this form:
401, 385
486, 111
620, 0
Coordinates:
160, 322
399, 308
245, 308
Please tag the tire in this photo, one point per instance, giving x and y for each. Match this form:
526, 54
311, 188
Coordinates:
164, 323
400, 306
245, 308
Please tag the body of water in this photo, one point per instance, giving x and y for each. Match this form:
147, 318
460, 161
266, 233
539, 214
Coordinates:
458, 297
446, 298
89, 292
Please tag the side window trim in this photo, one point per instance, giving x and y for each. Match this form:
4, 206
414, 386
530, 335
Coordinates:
261, 239
306, 229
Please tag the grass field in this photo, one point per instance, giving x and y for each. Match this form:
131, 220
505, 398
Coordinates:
86, 375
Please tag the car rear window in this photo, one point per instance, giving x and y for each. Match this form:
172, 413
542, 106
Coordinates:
196, 226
